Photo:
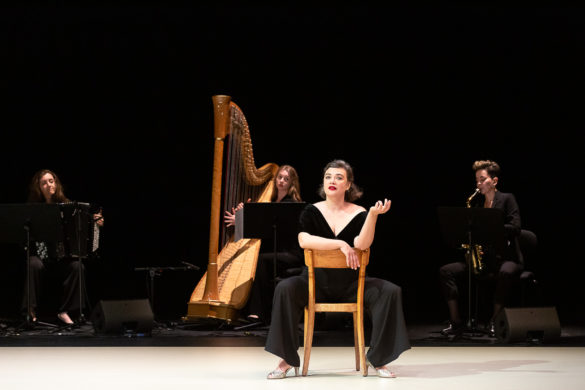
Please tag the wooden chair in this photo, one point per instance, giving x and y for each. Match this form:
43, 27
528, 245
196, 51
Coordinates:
336, 259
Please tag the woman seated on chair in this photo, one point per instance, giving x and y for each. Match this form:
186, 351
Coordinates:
285, 188
45, 187
337, 223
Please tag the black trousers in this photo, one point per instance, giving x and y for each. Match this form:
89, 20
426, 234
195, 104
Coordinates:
260, 302
68, 272
382, 301
452, 276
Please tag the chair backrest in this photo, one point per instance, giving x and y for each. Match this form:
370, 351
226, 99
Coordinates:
528, 243
333, 258
315, 258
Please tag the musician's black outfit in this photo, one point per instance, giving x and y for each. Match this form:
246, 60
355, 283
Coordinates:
382, 299
50, 257
289, 255
504, 268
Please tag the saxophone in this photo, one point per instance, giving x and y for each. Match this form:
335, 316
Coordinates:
475, 255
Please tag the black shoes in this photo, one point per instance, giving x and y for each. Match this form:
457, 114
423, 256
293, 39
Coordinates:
454, 329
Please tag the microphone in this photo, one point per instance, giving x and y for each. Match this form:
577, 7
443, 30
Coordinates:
189, 265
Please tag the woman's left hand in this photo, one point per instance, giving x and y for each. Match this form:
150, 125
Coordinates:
351, 258
381, 207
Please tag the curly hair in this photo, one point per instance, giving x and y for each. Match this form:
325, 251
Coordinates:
354, 192
492, 167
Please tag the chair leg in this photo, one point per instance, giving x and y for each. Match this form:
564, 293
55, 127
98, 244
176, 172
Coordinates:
356, 341
361, 344
308, 338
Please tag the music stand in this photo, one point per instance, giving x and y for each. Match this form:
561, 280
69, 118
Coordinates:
270, 221
27, 222
472, 226
76, 220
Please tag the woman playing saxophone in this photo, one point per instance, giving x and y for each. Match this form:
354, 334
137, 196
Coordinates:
505, 267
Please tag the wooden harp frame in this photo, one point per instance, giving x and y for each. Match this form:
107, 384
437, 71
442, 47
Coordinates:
226, 286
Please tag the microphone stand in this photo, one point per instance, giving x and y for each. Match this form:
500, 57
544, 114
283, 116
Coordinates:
77, 210
77, 235
471, 318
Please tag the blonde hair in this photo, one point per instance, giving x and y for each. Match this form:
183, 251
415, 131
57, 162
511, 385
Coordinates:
294, 190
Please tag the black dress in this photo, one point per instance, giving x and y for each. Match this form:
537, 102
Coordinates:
382, 300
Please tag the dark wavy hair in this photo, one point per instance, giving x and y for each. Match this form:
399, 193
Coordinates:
34, 189
294, 191
492, 167
354, 192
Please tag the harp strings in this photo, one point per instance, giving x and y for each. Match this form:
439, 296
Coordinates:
236, 189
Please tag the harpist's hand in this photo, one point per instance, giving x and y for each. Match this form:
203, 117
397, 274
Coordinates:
381, 208
351, 258
230, 218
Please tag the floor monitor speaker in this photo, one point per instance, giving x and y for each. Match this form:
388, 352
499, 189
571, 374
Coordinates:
528, 324
123, 317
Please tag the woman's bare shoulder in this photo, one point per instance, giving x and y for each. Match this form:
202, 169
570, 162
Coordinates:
353, 208
319, 205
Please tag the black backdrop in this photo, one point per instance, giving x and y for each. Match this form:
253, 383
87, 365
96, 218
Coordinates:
117, 100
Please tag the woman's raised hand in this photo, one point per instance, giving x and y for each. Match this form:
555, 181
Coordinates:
381, 207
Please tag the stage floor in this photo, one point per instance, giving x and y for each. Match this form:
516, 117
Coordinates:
211, 333
246, 368
209, 353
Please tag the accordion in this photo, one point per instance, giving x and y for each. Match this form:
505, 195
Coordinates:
80, 231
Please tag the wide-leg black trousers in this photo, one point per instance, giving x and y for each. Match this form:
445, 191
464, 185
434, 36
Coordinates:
382, 301
68, 271
260, 302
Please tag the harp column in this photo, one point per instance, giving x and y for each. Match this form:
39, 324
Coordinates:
221, 104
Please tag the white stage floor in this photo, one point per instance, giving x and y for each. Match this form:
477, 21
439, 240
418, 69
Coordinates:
145, 368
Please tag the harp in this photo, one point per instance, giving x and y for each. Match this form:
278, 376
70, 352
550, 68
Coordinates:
225, 287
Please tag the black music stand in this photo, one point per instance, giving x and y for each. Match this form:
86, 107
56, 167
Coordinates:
76, 220
472, 226
277, 221
25, 223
